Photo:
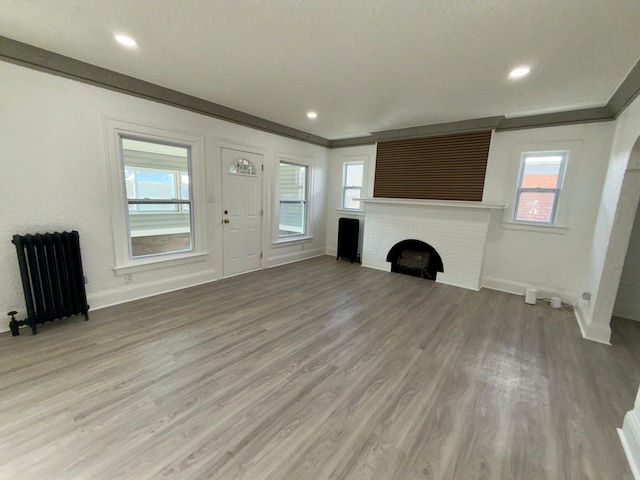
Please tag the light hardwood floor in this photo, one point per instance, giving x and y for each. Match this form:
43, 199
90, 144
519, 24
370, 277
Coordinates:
317, 370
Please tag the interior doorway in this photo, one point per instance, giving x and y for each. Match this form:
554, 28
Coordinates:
621, 220
627, 303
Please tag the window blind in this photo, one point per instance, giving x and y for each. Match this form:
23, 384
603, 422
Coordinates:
444, 167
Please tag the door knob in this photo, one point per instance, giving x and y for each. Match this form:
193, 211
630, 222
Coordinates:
226, 220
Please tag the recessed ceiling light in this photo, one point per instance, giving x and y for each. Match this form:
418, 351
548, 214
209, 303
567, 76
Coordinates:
519, 72
126, 41
312, 115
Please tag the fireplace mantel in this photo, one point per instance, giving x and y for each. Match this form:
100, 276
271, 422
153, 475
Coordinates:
433, 203
457, 230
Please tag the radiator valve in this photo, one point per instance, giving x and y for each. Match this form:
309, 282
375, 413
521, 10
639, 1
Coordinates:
13, 324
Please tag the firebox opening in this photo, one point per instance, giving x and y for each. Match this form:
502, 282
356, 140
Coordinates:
416, 258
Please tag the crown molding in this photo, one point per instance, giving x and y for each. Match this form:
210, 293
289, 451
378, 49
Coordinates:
56, 64
353, 142
473, 125
46, 61
626, 93
585, 115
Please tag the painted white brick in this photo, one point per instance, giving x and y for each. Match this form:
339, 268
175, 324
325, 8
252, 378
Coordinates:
458, 233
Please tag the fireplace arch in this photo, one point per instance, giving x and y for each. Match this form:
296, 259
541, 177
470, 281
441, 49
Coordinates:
416, 258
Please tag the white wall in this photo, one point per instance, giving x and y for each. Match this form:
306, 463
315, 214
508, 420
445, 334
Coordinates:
337, 156
556, 263
628, 299
630, 437
55, 178
616, 214
54, 168
553, 260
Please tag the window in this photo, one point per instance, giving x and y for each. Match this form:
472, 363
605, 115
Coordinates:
156, 180
242, 166
157, 184
540, 181
292, 195
352, 185
146, 182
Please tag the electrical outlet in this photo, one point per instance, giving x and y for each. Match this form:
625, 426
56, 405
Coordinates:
127, 279
586, 296
85, 280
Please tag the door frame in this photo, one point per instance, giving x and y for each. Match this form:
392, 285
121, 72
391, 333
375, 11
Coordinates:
217, 198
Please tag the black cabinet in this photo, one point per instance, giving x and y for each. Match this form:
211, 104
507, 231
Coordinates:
348, 232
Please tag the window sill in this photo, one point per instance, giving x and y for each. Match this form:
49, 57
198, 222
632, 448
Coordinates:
527, 227
349, 211
284, 242
155, 262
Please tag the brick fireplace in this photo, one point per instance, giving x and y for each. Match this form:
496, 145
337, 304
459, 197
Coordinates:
456, 230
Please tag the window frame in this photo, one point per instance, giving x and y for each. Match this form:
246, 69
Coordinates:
124, 262
180, 201
345, 187
556, 191
307, 202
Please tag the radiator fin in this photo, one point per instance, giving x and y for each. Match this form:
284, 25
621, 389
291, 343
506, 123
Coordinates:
52, 277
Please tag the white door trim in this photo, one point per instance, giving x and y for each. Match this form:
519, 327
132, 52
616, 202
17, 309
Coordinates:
217, 197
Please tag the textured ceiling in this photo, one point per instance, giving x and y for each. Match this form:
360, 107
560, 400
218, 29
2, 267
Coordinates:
363, 65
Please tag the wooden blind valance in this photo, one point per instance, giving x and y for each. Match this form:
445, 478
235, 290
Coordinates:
445, 167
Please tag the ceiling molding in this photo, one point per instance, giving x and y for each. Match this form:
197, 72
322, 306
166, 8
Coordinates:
46, 61
586, 115
626, 93
628, 90
474, 125
50, 62
353, 142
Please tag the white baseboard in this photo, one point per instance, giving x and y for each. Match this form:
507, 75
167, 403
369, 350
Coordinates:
149, 289
630, 438
460, 281
627, 301
580, 317
456, 284
599, 333
134, 291
278, 260
518, 288
501, 285
632, 312
332, 252
595, 333
590, 331
375, 267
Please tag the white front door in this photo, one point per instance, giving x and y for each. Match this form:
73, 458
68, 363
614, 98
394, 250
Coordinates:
241, 210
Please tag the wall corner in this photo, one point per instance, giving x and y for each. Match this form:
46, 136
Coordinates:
591, 330
630, 438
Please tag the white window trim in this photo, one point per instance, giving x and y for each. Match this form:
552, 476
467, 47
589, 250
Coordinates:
556, 191
350, 211
345, 186
114, 131
293, 239
561, 221
529, 227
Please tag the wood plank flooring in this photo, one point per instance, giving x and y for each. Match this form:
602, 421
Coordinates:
317, 370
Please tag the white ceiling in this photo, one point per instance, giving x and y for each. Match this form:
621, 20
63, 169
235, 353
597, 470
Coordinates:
363, 65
